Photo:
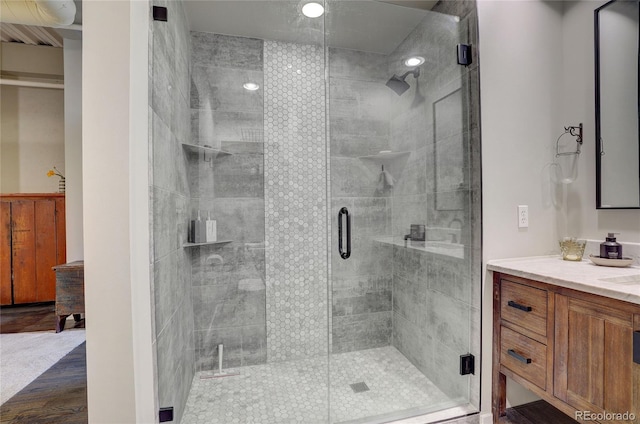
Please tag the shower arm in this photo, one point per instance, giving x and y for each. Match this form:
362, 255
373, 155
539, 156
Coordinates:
415, 72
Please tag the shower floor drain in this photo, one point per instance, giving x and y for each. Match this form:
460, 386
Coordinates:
359, 387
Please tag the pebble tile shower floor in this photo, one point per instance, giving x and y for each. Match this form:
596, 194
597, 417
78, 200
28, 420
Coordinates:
296, 391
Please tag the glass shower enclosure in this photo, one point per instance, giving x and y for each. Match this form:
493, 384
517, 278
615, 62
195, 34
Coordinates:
316, 210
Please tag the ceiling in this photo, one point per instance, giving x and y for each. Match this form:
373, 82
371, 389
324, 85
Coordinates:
364, 25
29, 34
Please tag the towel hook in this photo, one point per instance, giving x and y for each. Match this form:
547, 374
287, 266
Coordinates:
575, 131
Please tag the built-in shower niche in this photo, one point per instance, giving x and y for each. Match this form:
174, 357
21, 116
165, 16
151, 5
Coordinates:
390, 165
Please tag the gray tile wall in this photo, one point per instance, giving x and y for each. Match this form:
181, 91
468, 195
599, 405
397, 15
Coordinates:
359, 126
228, 281
170, 267
432, 315
436, 298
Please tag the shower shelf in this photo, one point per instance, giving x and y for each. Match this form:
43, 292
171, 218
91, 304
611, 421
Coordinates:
379, 157
186, 245
195, 148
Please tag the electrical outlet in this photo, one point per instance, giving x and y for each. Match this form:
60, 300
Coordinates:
523, 216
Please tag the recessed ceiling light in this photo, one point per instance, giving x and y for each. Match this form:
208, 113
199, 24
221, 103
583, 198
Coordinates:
251, 86
414, 61
312, 10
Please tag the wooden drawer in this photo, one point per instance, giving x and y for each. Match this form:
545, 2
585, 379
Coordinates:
524, 306
528, 358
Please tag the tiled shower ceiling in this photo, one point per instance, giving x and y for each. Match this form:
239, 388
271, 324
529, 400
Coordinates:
28, 34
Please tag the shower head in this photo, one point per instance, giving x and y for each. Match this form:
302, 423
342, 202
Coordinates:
398, 83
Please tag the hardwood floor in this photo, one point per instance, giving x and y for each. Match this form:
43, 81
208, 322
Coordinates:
539, 412
59, 395
38, 317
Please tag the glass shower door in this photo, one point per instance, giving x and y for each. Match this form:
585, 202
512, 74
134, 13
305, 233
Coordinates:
281, 128
238, 123
404, 256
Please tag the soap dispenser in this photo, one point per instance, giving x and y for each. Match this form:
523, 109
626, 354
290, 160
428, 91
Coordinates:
611, 249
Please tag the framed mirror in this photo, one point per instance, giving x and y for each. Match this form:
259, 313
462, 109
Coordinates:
617, 105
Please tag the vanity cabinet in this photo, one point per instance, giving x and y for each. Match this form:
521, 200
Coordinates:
573, 349
593, 364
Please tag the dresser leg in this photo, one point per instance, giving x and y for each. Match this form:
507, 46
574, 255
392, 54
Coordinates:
499, 381
60, 321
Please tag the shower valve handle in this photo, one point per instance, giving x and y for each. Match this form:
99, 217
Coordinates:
344, 254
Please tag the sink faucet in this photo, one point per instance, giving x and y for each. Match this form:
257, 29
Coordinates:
454, 236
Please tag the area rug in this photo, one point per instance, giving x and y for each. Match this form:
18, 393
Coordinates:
24, 356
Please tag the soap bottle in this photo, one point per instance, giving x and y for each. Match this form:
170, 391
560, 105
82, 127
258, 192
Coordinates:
611, 249
211, 229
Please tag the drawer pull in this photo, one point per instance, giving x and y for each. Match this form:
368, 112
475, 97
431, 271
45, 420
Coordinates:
519, 306
519, 357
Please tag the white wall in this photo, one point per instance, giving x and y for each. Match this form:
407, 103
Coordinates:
31, 139
537, 75
120, 386
578, 91
520, 73
73, 147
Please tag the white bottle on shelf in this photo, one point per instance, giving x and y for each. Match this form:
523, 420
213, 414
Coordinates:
211, 229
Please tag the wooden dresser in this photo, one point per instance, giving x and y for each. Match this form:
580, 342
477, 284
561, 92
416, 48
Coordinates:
32, 240
573, 349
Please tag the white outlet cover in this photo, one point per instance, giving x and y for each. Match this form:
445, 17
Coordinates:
523, 216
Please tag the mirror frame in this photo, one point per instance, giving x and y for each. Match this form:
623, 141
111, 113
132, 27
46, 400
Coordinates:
599, 147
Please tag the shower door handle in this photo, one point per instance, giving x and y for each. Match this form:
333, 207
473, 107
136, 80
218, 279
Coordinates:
344, 254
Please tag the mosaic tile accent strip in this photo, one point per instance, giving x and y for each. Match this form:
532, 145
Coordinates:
296, 391
295, 198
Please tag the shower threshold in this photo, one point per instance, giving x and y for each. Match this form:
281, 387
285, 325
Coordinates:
296, 392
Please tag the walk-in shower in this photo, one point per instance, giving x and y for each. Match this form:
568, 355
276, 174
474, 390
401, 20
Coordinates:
338, 267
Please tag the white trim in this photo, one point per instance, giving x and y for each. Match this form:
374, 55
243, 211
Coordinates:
447, 414
486, 418
72, 27
34, 84
141, 296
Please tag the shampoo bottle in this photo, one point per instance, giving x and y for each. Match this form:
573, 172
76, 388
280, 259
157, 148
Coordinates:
611, 249
197, 233
211, 229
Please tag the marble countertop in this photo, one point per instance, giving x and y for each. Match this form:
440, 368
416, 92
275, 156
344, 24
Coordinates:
616, 283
